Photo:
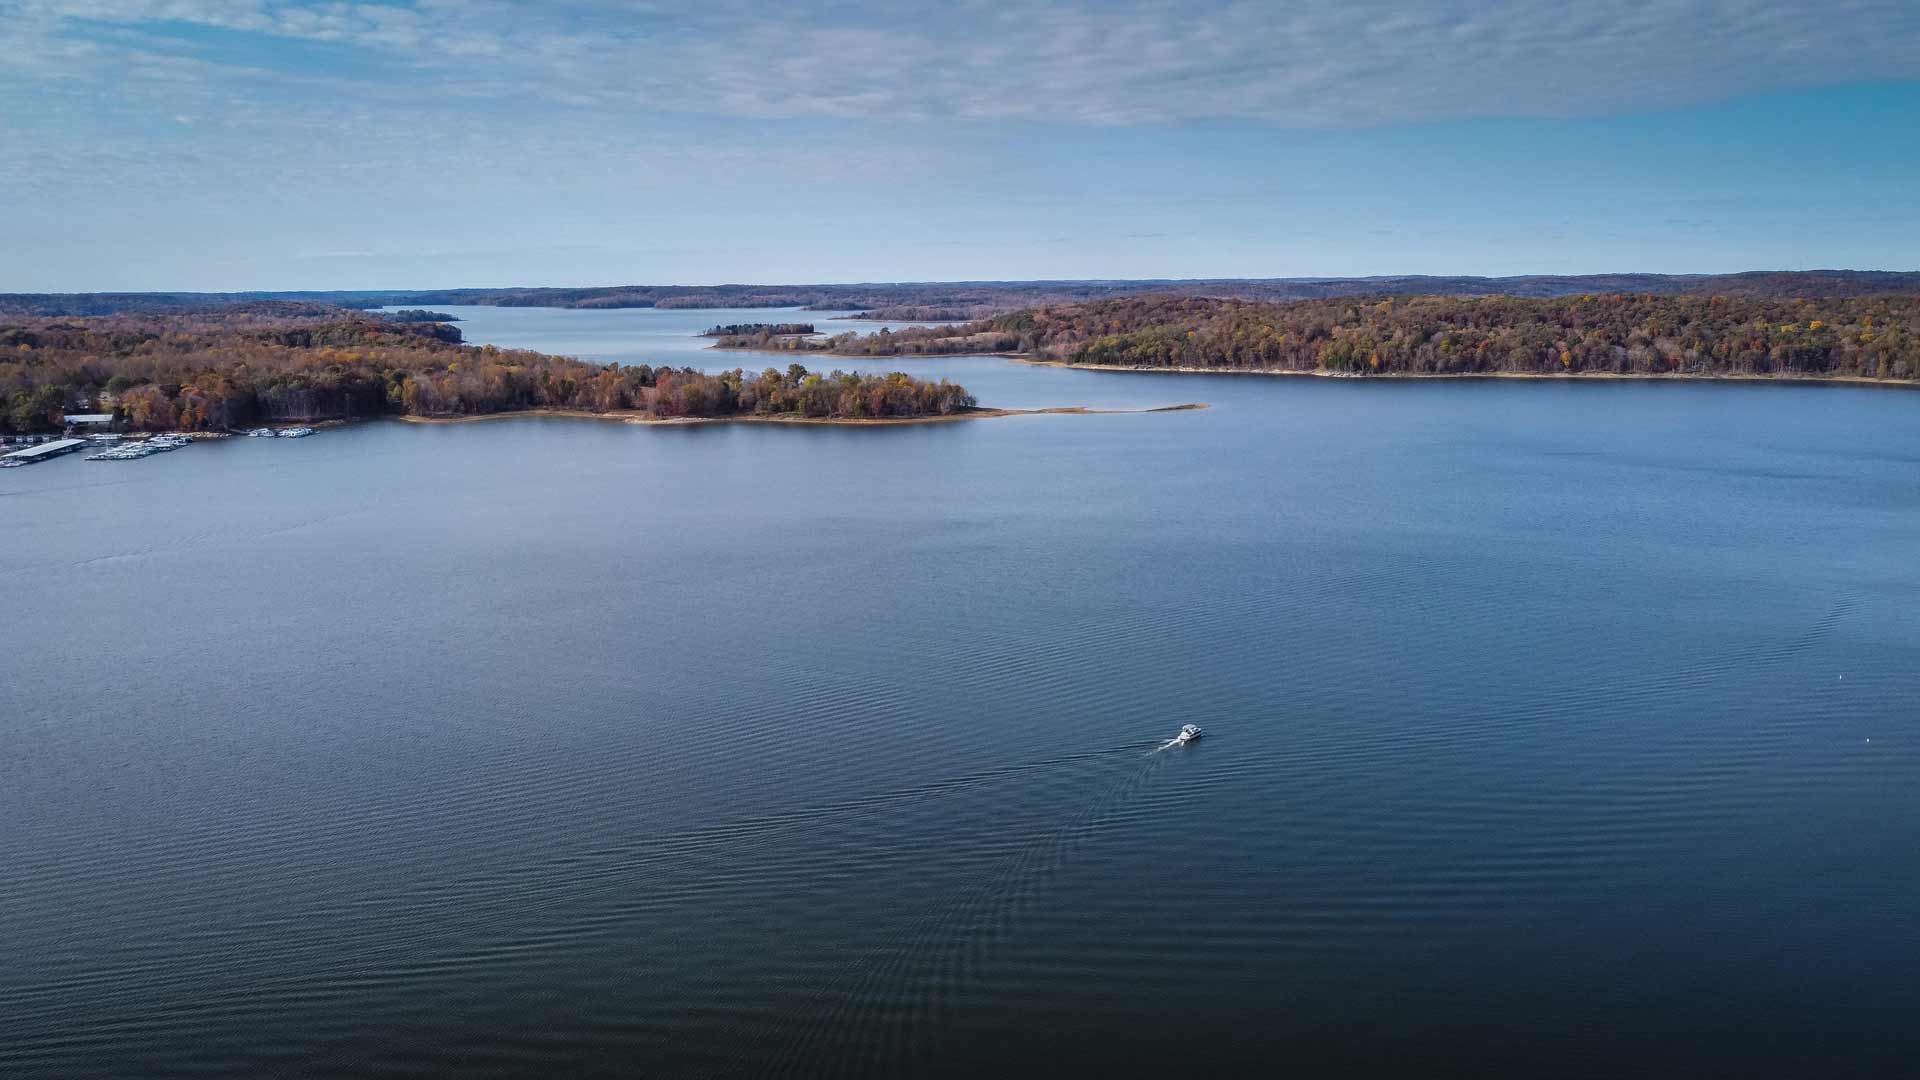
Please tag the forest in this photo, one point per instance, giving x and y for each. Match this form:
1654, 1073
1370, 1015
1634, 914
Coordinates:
1864, 337
215, 371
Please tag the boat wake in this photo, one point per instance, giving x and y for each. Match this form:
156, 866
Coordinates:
1188, 733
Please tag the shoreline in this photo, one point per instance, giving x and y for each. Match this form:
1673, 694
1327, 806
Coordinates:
634, 416
1392, 376
1402, 376
469, 418
876, 357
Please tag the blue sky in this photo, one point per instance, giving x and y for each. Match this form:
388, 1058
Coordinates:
263, 144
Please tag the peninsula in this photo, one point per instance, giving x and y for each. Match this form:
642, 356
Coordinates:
1874, 338
232, 369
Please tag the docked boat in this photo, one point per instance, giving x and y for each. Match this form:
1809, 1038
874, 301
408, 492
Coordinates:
1188, 733
261, 433
295, 432
132, 450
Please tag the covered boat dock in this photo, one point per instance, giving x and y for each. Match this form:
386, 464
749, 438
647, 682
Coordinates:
45, 450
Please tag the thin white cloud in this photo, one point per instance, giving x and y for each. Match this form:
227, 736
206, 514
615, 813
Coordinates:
1314, 63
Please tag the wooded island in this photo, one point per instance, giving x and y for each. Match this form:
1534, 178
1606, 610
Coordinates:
759, 329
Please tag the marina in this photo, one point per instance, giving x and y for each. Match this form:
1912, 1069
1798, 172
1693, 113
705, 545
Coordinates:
114, 446
134, 450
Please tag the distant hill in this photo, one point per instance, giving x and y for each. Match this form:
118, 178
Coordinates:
138, 303
959, 300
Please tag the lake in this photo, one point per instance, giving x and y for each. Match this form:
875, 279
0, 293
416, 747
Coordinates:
1552, 729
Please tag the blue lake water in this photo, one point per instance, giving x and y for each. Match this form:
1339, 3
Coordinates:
635, 335
1552, 730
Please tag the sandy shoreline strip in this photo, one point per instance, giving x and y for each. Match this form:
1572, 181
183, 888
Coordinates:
633, 416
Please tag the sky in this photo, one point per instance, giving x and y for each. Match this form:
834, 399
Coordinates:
272, 144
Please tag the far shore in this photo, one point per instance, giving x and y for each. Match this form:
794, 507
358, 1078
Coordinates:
635, 416
1562, 376
877, 358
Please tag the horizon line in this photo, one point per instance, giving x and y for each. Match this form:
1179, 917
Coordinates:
1287, 279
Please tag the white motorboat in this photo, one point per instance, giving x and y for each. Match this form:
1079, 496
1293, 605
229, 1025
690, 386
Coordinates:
1188, 733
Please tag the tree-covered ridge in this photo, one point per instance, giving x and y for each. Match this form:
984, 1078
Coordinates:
758, 329
961, 300
1626, 335
212, 372
1870, 337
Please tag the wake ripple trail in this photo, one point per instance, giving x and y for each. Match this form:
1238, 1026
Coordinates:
944, 944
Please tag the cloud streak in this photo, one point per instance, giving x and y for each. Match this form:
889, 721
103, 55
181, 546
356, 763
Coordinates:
1309, 64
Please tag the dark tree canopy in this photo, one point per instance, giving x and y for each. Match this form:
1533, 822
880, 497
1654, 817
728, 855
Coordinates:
760, 329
